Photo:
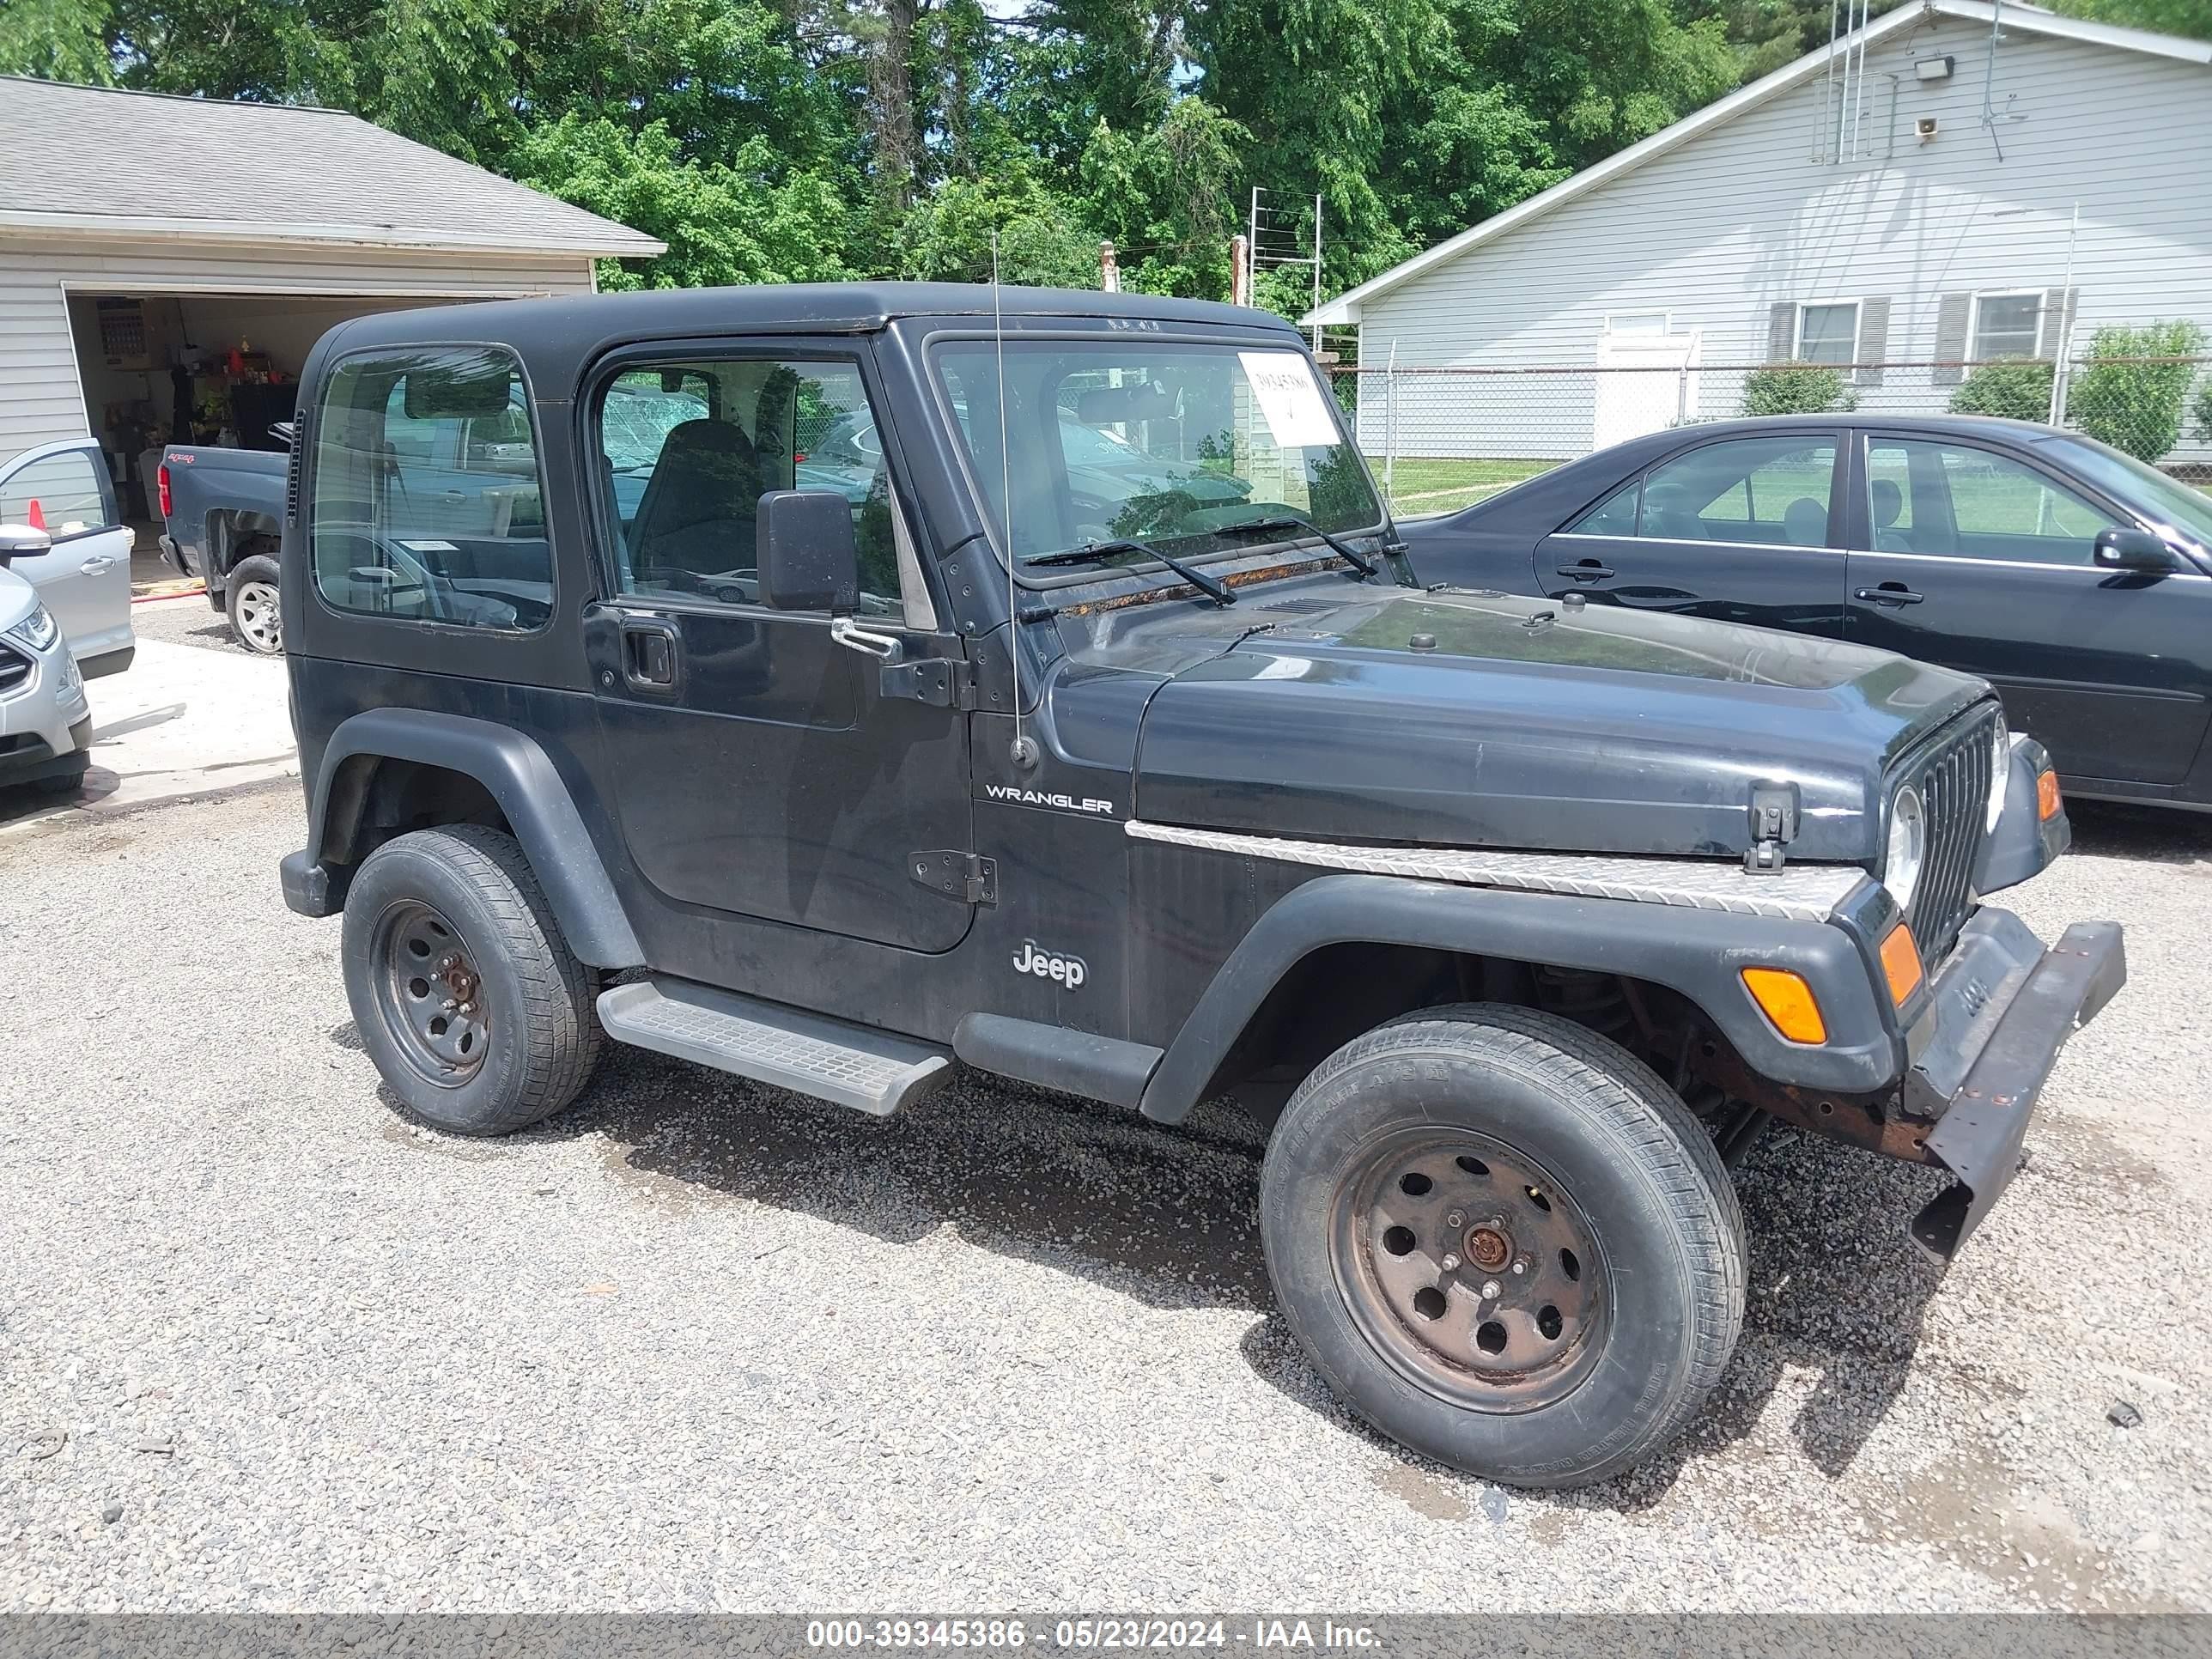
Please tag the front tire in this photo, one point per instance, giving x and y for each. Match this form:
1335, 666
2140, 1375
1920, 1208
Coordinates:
465, 994
249, 601
1504, 1243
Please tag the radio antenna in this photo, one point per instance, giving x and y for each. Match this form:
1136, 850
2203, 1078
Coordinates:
1024, 753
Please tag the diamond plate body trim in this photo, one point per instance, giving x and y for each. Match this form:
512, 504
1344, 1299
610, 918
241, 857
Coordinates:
1802, 892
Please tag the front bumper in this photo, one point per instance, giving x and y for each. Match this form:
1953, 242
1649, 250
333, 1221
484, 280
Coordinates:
45, 722
2003, 1008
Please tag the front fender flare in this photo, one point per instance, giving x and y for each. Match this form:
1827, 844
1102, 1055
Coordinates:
519, 776
1698, 953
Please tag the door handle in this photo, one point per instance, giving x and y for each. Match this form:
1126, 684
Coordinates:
1889, 593
95, 566
1589, 571
854, 637
651, 655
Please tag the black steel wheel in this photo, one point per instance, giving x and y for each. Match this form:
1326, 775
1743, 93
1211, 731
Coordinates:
1504, 1243
1470, 1268
430, 995
477, 1014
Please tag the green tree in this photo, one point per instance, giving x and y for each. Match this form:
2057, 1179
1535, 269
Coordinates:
947, 234
723, 223
56, 40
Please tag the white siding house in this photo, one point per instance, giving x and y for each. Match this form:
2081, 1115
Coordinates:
143, 238
1909, 200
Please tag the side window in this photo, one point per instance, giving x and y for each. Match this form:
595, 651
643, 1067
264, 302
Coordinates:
1773, 491
692, 448
1613, 516
426, 499
1954, 499
62, 495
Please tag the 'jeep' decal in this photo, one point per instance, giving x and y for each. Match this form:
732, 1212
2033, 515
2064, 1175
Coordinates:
1070, 971
1058, 803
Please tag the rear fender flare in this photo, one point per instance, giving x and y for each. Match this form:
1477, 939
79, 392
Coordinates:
1700, 953
517, 772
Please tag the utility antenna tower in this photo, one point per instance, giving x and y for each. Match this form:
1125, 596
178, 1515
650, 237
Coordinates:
1845, 133
1277, 237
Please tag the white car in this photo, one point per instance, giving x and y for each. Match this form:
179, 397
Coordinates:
83, 571
46, 726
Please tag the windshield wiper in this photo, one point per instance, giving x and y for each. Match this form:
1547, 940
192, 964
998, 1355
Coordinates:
1351, 555
1099, 552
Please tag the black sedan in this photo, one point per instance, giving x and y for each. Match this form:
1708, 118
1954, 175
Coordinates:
2075, 580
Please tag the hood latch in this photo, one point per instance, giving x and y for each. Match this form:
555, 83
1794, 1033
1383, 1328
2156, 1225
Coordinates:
1773, 825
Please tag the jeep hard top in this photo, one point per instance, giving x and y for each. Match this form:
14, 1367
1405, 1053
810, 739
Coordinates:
828, 684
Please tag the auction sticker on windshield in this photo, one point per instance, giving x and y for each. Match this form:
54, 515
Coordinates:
1289, 399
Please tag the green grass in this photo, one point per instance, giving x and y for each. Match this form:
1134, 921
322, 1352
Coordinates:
1427, 485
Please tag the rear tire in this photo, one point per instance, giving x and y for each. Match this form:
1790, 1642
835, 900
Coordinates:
1504, 1243
249, 601
466, 996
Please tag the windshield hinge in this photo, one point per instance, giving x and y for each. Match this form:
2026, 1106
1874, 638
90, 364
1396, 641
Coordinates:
967, 877
943, 682
1773, 825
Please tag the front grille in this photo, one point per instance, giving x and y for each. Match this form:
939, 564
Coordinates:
15, 669
1953, 780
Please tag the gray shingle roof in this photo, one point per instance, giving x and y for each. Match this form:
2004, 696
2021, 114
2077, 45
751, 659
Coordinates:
91, 155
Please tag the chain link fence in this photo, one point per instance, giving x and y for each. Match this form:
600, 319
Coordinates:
1441, 438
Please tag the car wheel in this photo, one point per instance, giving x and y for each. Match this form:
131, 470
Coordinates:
1504, 1243
251, 602
65, 783
466, 996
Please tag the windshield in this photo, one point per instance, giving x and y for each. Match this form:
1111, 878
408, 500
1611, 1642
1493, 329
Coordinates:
1172, 444
2149, 491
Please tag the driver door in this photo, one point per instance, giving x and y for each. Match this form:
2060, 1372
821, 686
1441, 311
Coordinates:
760, 771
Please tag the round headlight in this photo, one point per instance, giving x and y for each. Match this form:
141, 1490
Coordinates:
1908, 847
2000, 767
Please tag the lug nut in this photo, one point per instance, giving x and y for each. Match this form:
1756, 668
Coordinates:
1520, 1266
1490, 1287
1451, 1264
1456, 1218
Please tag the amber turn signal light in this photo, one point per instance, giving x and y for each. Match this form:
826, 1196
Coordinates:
2046, 796
1786, 1000
1900, 963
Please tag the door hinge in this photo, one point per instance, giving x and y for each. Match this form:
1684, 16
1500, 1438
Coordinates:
944, 681
965, 876
1773, 825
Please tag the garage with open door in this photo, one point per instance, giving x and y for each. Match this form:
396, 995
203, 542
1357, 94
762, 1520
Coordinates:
166, 263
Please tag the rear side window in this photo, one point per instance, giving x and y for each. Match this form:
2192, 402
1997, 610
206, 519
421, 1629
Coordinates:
427, 499
62, 495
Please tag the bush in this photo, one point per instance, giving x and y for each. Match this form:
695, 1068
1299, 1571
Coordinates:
2132, 405
1796, 390
2018, 391
2203, 412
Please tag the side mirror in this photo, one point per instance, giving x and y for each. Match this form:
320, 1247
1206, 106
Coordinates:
2120, 549
807, 558
22, 541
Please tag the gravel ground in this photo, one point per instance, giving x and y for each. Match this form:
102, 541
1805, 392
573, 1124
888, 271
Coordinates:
186, 620
698, 1345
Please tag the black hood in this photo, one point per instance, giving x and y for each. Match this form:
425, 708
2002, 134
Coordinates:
1334, 712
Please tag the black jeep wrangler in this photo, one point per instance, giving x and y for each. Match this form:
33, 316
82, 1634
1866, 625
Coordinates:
825, 685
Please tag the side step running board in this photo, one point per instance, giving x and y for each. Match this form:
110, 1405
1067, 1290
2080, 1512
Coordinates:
855, 1066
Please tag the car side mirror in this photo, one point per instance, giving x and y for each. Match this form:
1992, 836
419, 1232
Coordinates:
22, 541
807, 557
2121, 548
